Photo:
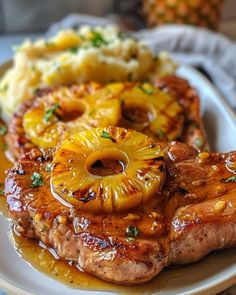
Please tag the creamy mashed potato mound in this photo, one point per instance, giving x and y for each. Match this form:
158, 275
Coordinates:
89, 54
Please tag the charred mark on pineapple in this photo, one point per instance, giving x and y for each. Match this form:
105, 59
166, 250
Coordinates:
182, 191
137, 114
90, 196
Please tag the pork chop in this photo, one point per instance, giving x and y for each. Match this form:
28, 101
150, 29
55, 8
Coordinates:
193, 215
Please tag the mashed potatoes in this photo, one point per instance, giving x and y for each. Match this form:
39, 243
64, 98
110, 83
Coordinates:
97, 54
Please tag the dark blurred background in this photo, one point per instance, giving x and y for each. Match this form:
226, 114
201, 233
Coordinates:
34, 15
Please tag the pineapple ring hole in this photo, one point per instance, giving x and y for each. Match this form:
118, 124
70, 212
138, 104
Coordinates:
106, 162
73, 112
137, 113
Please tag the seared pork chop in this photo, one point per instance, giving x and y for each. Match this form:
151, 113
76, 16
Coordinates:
193, 214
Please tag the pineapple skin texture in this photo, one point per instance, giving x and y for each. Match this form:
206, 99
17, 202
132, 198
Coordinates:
141, 178
194, 12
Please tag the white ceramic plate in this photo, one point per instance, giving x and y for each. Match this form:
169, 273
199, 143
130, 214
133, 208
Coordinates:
213, 274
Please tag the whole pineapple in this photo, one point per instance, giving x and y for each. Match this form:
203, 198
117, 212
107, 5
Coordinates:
107, 170
194, 12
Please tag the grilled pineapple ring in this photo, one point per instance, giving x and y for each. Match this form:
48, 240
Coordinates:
152, 111
107, 170
67, 110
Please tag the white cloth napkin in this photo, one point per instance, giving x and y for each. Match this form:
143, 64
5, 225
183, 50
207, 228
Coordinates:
213, 52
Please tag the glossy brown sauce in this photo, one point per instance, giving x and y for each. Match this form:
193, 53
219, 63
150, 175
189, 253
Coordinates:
107, 167
44, 261
136, 115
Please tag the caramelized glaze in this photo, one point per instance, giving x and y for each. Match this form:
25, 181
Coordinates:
45, 261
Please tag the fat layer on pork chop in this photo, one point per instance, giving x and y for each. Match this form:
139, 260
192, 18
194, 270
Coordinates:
192, 215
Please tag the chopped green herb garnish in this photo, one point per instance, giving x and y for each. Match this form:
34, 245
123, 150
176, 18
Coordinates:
121, 35
48, 167
107, 135
198, 143
131, 232
82, 37
33, 68
2, 193
92, 112
50, 112
207, 149
97, 39
4, 88
148, 91
3, 129
194, 124
160, 133
74, 49
3, 146
36, 90
230, 179
37, 179
129, 239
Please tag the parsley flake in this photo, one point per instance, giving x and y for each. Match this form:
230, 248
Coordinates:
97, 39
198, 143
132, 231
107, 135
148, 91
50, 112
74, 49
36, 90
194, 124
48, 167
230, 179
4, 88
160, 133
3, 146
2, 193
3, 129
36, 179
